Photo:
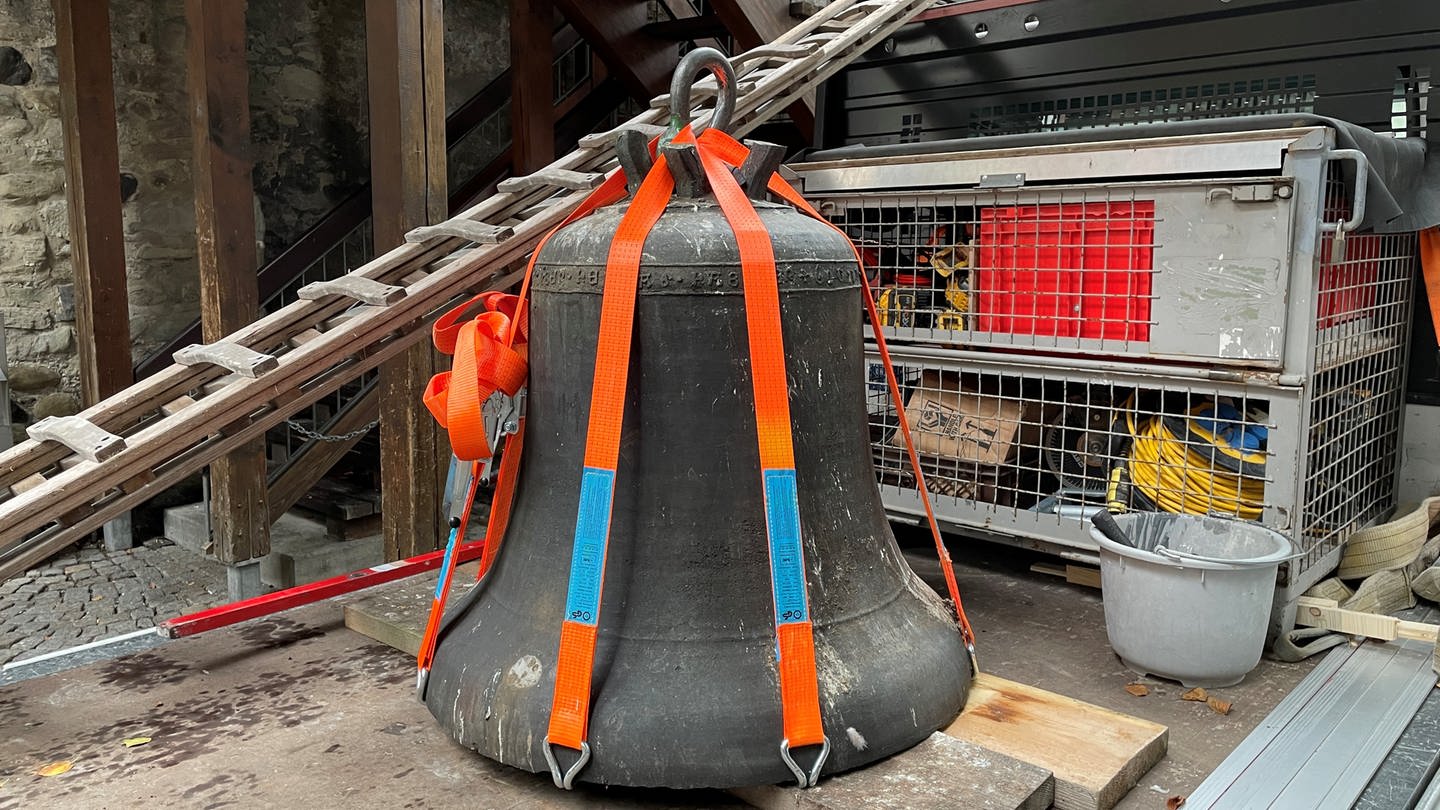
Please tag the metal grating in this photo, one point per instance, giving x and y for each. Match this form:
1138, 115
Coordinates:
1363, 293
1061, 268
1071, 289
1065, 445
1264, 96
1410, 108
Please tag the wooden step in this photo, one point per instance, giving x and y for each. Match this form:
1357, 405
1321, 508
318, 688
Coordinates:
1096, 755
396, 616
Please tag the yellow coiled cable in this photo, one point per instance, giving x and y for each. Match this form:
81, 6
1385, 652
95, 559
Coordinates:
1179, 479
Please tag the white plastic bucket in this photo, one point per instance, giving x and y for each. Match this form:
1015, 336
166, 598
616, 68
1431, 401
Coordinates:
1190, 599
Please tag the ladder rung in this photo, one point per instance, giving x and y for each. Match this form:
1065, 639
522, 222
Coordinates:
601, 139
360, 288
232, 357
342, 317
478, 232
221, 383
84, 438
27, 483
552, 178
454, 257
176, 405
135, 484
767, 54
301, 338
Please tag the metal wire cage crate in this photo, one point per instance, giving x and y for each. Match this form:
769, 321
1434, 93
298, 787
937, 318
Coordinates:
1200, 337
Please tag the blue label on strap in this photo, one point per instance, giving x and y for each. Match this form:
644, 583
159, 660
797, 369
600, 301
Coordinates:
445, 562
787, 567
587, 562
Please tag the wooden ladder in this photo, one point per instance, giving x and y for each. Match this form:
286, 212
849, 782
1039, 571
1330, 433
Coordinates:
76, 473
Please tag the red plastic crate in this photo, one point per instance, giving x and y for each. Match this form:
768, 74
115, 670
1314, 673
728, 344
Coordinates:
1347, 291
1079, 270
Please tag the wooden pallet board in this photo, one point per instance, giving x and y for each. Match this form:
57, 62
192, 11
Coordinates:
1096, 754
396, 616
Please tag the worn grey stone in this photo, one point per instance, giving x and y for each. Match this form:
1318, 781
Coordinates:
30, 186
31, 377
940, 773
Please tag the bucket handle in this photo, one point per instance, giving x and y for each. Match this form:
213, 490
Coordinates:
1187, 557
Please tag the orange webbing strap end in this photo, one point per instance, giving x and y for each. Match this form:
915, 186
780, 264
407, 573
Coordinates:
795, 640
1430, 270
733, 152
503, 499
574, 666
486, 361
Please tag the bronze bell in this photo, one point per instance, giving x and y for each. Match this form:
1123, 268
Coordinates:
685, 690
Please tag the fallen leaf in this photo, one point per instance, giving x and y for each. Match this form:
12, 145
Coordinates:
131, 742
1137, 689
1197, 694
1174, 802
55, 768
1220, 706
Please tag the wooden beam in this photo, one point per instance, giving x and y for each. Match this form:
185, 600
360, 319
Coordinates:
532, 92
92, 192
753, 23
405, 53
1327, 614
219, 89
616, 30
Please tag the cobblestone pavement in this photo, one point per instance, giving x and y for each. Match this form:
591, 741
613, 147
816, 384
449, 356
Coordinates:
89, 593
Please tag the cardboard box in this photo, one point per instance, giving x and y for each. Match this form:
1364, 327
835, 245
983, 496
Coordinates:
950, 422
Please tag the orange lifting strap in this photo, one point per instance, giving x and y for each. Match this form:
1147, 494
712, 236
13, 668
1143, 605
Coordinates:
491, 364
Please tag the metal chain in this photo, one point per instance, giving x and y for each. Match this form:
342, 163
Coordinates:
325, 437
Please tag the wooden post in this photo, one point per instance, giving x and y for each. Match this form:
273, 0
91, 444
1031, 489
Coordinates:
406, 63
92, 192
219, 87
532, 94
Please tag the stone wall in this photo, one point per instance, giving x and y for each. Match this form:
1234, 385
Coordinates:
34, 239
308, 122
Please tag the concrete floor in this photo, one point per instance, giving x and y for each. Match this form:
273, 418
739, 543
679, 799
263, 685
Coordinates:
298, 711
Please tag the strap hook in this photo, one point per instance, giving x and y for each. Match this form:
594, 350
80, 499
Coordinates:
566, 780
811, 779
